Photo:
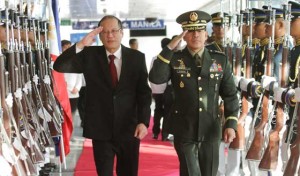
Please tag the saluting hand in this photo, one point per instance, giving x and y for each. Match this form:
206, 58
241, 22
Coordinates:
173, 44
229, 135
140, 131
89, 39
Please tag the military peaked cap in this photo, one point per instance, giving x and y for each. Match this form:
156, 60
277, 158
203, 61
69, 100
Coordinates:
193, 20
278, 13
218, 19
295, 9
259, 15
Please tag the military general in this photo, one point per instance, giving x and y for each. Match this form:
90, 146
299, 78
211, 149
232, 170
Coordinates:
199, 76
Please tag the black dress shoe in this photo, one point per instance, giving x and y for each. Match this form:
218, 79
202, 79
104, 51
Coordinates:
165, 139
155, 136
44, 173
50, 165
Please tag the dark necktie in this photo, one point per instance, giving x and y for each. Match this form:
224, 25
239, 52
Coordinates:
197, 60
113, 70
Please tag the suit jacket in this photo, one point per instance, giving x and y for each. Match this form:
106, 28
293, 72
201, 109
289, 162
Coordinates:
195, 110
110, 114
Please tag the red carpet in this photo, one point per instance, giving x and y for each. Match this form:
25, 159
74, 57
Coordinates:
157, 158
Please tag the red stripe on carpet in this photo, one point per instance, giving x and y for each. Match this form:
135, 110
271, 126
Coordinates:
157, 158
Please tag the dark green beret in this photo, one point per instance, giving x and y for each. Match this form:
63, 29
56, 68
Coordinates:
193, 20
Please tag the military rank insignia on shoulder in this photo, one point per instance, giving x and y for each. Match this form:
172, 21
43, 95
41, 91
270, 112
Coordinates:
216, 52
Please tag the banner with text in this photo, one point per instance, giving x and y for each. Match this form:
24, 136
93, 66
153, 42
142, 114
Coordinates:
143, 24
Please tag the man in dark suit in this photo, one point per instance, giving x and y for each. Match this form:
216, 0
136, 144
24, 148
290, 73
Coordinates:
198, 77
118, 96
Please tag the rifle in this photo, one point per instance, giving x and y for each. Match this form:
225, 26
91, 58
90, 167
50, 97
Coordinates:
238, 143
292, 167
257, 146
45, 117
238, 50
229, 46
7, 128
4, 142
18, 112
270, 157
31, 123
54, 124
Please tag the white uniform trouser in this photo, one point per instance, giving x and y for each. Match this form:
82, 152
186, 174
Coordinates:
229, 161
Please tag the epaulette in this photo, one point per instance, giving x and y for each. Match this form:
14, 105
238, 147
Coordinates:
217, 52
178, 51
209, 44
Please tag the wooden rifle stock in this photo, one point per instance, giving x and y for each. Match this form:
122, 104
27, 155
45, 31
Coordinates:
6, 131
37, 100
54, 125
29, 116
293, 164
257, 146
237, 64
20, 167
239, 141
229, 53
270, 157
292, 167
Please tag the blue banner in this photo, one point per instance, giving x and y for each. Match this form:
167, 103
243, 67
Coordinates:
56, 19
143, 24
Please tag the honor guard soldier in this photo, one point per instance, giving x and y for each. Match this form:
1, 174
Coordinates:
259, 32
295, 52
278, 37
198, 77
260, 54
220, 26
279, 32
294, 58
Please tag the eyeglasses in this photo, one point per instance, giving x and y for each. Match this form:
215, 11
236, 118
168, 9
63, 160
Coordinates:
113, 32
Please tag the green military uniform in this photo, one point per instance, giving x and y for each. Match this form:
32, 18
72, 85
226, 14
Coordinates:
195, 110
194, 116
215, 46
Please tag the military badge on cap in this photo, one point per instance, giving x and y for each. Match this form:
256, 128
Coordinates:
295, 9
278, 13
259, 15
193, 20
218, 18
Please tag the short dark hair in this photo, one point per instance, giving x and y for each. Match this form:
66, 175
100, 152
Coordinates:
65, 42
164, 42
132, 41
111, 17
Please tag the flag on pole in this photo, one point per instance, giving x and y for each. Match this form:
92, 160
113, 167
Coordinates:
59, 86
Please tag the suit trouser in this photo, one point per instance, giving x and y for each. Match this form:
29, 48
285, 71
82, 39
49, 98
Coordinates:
81, 103
73, 103
126, 152
158, 112
168, 102
197, 158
